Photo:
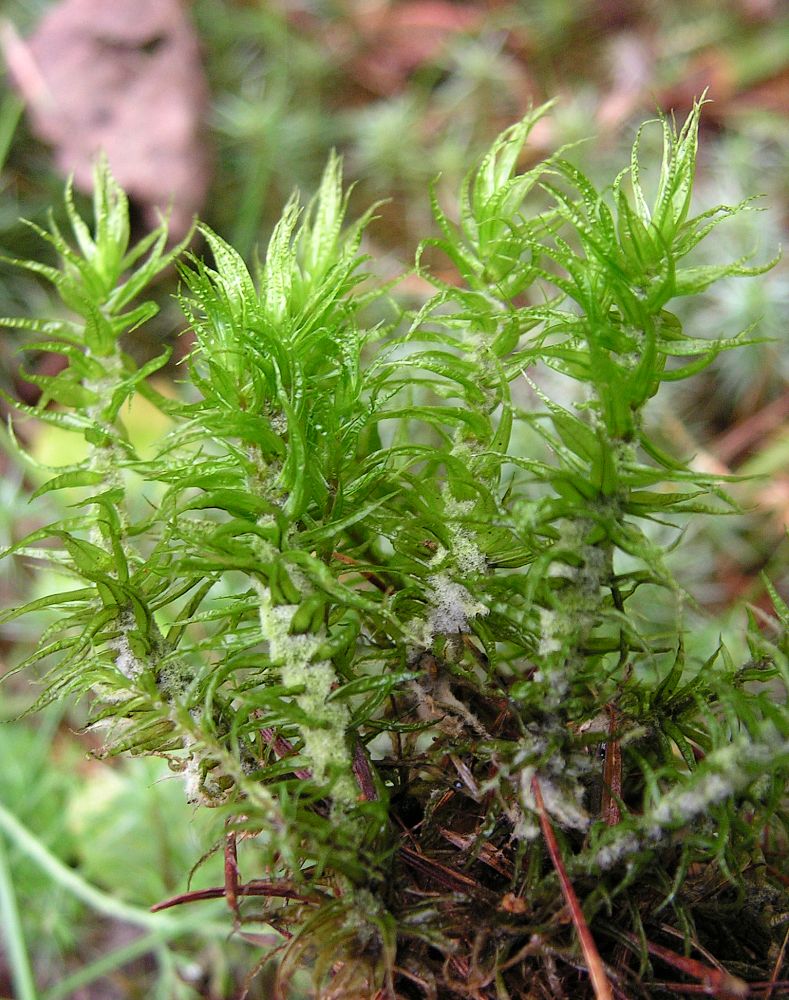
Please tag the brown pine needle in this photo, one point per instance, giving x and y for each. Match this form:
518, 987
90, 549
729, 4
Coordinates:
597, 973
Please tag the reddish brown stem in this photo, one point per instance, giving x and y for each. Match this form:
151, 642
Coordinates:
612, 774
372, 578
699, 989
231, 873
594, 964
715, 982
363, 772
284, 748
281, 890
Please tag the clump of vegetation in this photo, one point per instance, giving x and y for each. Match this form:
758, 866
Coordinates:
389, 607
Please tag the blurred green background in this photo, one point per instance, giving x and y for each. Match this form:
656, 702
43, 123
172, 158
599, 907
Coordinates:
406, 92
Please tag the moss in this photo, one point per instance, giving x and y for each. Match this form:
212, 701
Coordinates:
412, 660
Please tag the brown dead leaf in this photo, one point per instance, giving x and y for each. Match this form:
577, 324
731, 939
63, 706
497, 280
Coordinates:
386, 43
124, 77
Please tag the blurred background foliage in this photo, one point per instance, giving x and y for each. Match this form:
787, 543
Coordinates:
407, 92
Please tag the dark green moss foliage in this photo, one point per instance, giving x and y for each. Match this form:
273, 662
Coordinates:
384, 581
